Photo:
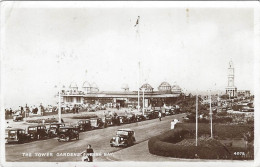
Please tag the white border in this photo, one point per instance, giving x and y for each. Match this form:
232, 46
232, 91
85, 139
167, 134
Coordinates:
143, 4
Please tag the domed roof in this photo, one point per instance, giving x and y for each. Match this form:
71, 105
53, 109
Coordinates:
146, 86
73, 85
86, 84
176, 89
164, 84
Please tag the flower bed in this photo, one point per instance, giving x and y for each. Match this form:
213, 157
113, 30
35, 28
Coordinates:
49, 120
219, 130
85, 116
167, 145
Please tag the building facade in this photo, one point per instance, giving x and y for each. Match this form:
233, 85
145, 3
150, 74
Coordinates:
231, 89
124, 98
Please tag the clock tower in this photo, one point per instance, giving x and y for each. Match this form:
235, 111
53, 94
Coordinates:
231, 90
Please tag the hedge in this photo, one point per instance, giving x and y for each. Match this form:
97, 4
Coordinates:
219, 130
160, 145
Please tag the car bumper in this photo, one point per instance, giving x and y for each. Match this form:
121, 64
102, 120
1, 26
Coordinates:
118, 144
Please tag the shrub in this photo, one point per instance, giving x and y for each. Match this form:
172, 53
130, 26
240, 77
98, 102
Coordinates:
85, 116
158, 145
220, 130
52, 120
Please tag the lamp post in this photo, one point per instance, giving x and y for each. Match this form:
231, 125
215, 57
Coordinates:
143, 89
197, 119
210, 112
59, 105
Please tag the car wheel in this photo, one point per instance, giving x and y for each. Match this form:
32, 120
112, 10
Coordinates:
59, 140
111, 145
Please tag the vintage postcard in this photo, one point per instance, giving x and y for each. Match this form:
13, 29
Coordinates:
129, 83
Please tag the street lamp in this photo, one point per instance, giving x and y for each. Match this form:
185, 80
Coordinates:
143, 89
59, 109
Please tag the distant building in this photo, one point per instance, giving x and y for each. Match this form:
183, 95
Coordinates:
243, 93
231, 90
92, 95
165, 87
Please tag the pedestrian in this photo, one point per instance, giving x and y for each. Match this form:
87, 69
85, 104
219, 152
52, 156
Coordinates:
89, 153
160, 115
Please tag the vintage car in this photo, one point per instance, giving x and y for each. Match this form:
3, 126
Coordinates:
54, 129
130, 118
84, 125
139, 117
122, 119
124, 137
68, 133
168, 112
17, 118
149, 115
17, 135
96, 123
108, 121
37, 132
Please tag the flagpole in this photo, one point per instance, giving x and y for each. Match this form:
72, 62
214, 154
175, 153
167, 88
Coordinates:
138, 106
197, 119
210, 113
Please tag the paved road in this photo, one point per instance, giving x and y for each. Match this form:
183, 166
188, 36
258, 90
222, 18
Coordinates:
99, 139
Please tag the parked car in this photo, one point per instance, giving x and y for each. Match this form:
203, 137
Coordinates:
124, 137
139, 118
54, 129
17, 118
130, 118
108, 121
96, 123
68, 133
168, 112
17, 135
122, 119
84, 125
37, 132
149, 115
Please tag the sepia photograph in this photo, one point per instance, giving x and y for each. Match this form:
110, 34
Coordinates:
169, 83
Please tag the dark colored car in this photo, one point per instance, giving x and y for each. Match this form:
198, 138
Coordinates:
139, 118
168, 112
68, 133
124, 137
122, 119
17, 135
54, 129
84, 125
37, 132
17, 118
108, 121
130, 118
96, 123
149, 115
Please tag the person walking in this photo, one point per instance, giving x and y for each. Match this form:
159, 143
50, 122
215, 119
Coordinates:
89, 152
160, 115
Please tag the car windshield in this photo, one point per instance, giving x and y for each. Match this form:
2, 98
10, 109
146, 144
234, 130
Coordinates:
32, 128
54, 126
12, 131
63, 130
120, 132
93, 120
81, 122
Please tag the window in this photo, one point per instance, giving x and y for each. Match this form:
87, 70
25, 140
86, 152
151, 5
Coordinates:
78, 99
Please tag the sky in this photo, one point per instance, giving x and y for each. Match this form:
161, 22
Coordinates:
191, 47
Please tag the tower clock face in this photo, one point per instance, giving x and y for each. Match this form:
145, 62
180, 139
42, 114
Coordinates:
230, 82
231, 71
